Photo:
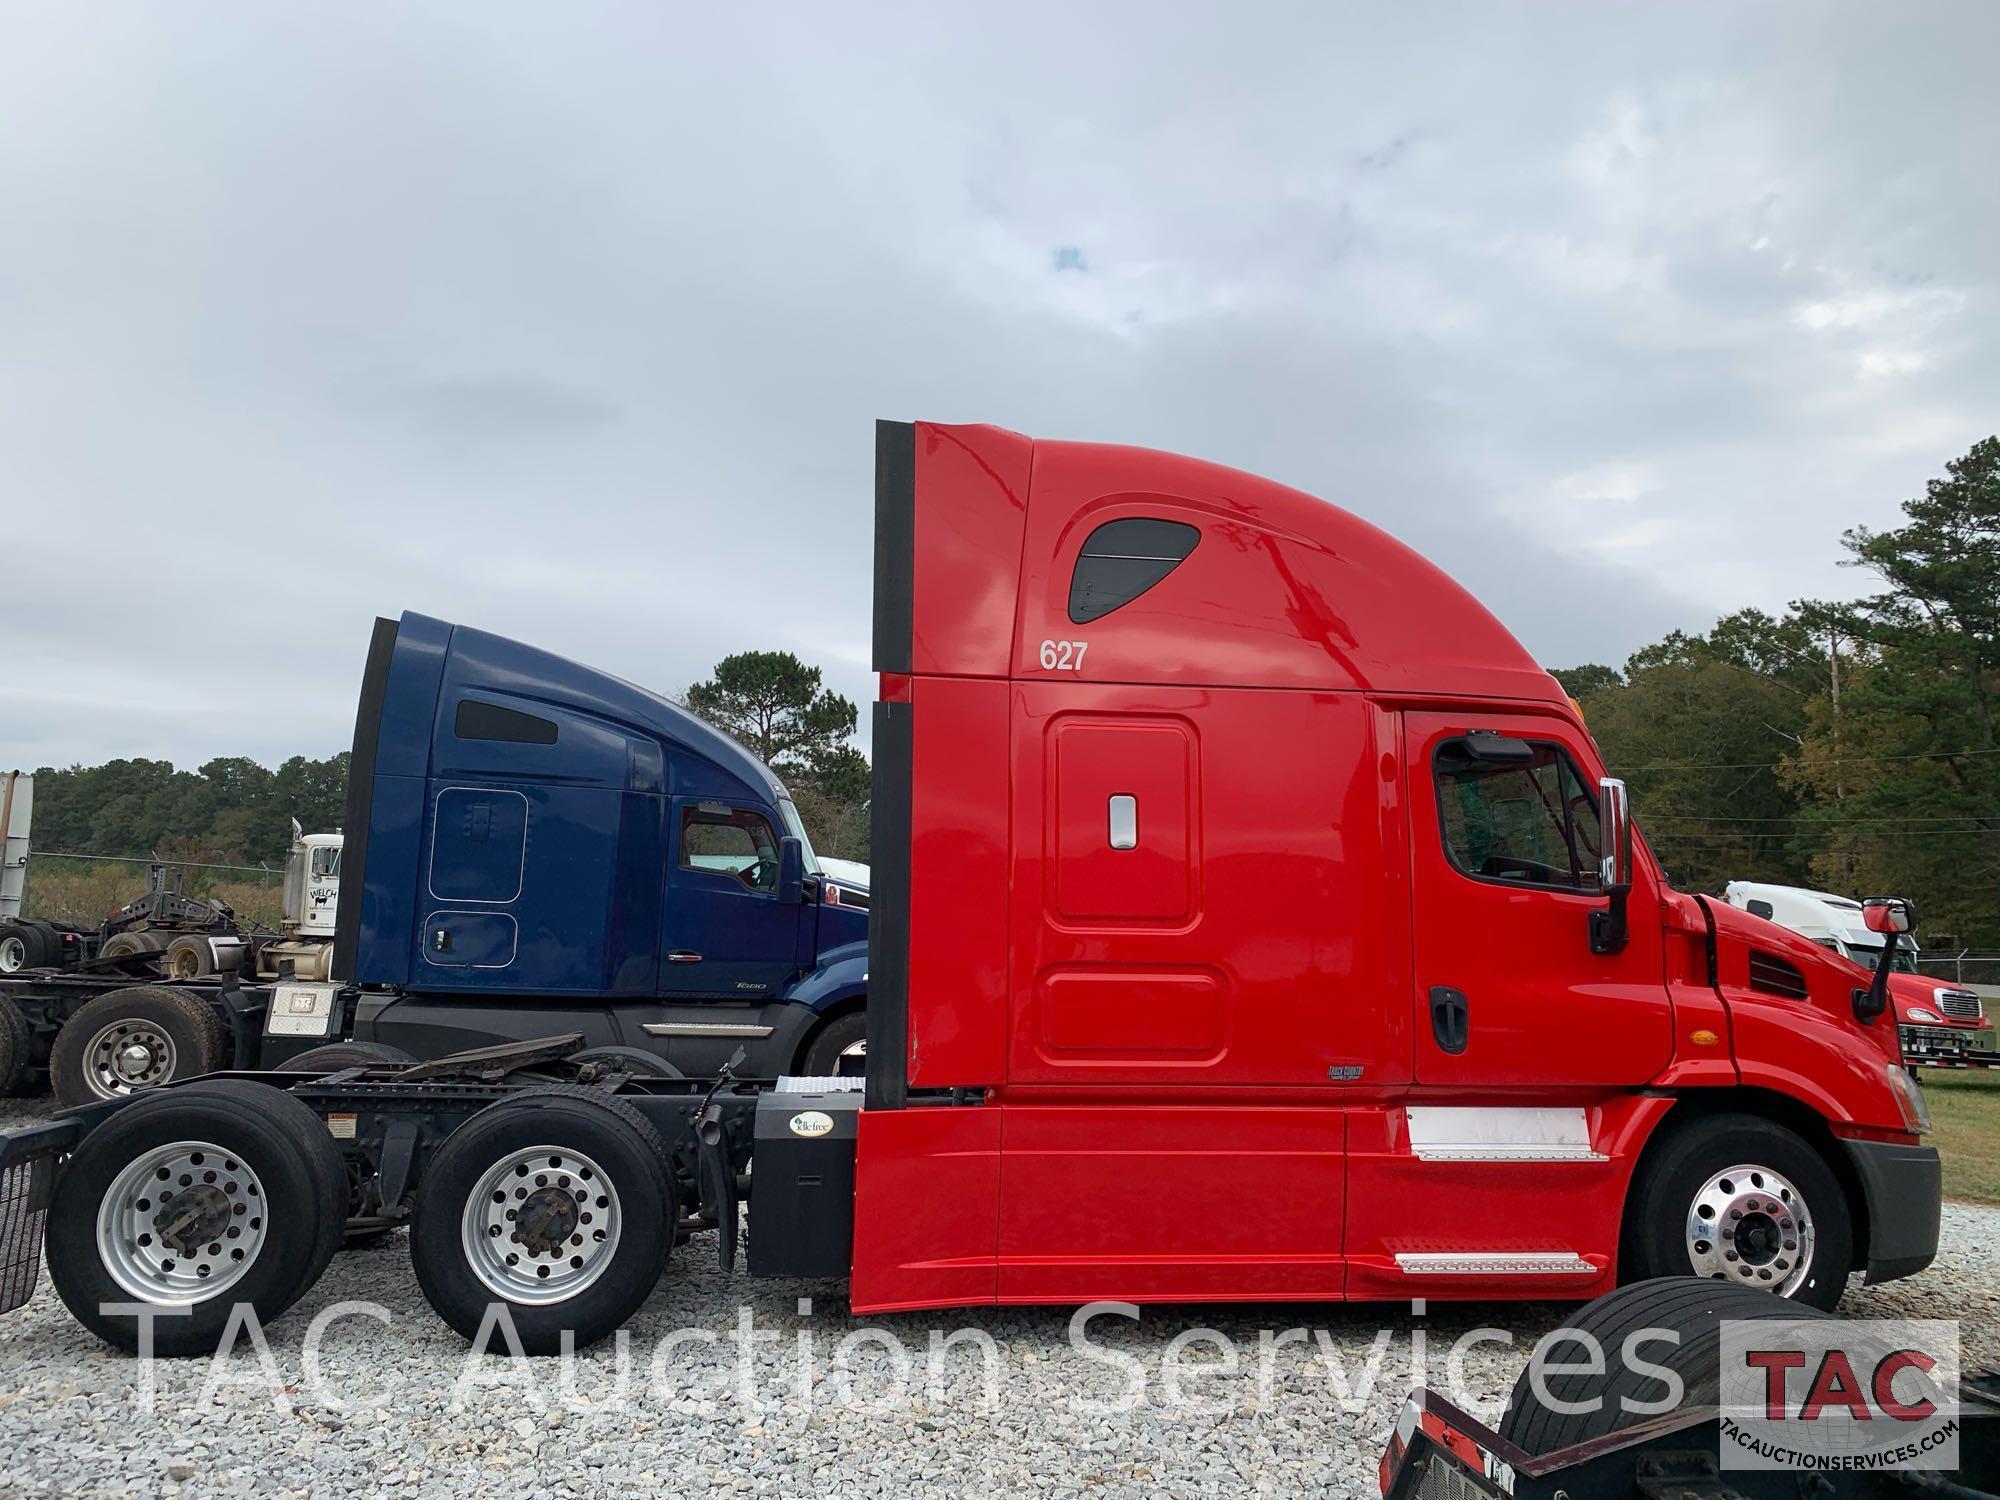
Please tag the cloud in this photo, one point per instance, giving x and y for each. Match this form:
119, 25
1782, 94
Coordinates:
571, 322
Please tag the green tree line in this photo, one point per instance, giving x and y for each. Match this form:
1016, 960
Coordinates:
1848, 745
231, 811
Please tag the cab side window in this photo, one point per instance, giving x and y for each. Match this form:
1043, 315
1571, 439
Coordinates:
1530, 820
726, 840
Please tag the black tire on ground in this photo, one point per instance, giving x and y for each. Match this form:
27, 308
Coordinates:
824, 1054
1691, 1308
303, 1192
188, 957
337, 1055
1686, 1155
181, 1032
635, 1060
15, 1044
569, 1121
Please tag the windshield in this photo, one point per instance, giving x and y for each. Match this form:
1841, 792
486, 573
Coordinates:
1905, 961
797, 829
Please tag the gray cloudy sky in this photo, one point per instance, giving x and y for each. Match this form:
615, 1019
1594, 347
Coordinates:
570, 320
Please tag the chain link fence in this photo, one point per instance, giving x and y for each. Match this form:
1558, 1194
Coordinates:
87, 888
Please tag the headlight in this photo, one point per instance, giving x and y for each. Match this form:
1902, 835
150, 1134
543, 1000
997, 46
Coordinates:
1918, 1013
1910, 1097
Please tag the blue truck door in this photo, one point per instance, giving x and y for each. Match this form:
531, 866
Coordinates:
725, 933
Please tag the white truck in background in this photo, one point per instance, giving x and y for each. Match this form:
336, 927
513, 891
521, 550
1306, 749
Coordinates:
1939, 1024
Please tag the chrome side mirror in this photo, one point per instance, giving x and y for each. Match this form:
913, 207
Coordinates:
1614, 818
1609, 931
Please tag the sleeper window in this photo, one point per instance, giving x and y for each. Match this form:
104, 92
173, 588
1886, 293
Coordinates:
1531, 822
727, 840
1121, 560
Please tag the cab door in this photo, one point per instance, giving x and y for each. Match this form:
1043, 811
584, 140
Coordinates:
1504, 849
725, 932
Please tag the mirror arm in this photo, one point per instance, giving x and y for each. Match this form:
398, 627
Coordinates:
1609, 930
1871, 1002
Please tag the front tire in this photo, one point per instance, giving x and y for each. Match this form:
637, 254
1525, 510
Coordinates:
840, 1048
1740, 1200
192, 1201
557, 1205
335, 1056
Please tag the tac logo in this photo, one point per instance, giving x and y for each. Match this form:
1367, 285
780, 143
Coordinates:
1871, 1393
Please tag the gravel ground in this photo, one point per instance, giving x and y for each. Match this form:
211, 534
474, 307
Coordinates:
394, 1411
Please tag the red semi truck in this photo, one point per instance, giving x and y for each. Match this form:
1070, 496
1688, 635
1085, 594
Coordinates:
1253, 919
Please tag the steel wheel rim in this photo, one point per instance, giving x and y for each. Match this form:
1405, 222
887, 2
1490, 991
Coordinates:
13, 954
183, 964
195, 1242
542, 1225
128, 1055
1750, 1225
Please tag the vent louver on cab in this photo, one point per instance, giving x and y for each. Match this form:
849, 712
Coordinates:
1776, 976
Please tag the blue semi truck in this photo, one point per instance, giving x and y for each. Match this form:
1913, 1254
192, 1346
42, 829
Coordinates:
533, 849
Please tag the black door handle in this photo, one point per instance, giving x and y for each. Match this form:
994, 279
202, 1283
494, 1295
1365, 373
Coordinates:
1451, 1019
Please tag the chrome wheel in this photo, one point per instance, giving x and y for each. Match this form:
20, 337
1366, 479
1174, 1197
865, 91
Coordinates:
181, 1223
13, 954
541, 1226
127, 1055
1750, 1225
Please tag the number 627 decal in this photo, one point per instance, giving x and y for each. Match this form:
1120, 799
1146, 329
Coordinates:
1063, 656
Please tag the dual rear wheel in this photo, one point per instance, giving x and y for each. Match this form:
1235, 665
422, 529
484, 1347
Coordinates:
555, 1207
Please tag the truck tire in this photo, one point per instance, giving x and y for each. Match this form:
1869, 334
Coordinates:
132, 946
253, 1167
131, 1039
635, 1060
188, 957
557, 1204
839, 1048
27, 945
16, 1043
1739, 1199
1691, 1308
337, 1055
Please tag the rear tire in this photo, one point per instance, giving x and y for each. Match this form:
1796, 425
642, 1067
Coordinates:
337, 1055
590, 1191
16, 1043
1691, 1307
188, 957
1743, 1201
27, 945
253, 1167
133, 947
131, 1039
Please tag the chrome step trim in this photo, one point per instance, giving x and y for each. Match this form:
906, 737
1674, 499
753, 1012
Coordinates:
1493, 1263
706, 1028
1511, 1155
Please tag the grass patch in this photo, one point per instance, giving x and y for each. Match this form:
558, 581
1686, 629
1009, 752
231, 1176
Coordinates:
1965, 1108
